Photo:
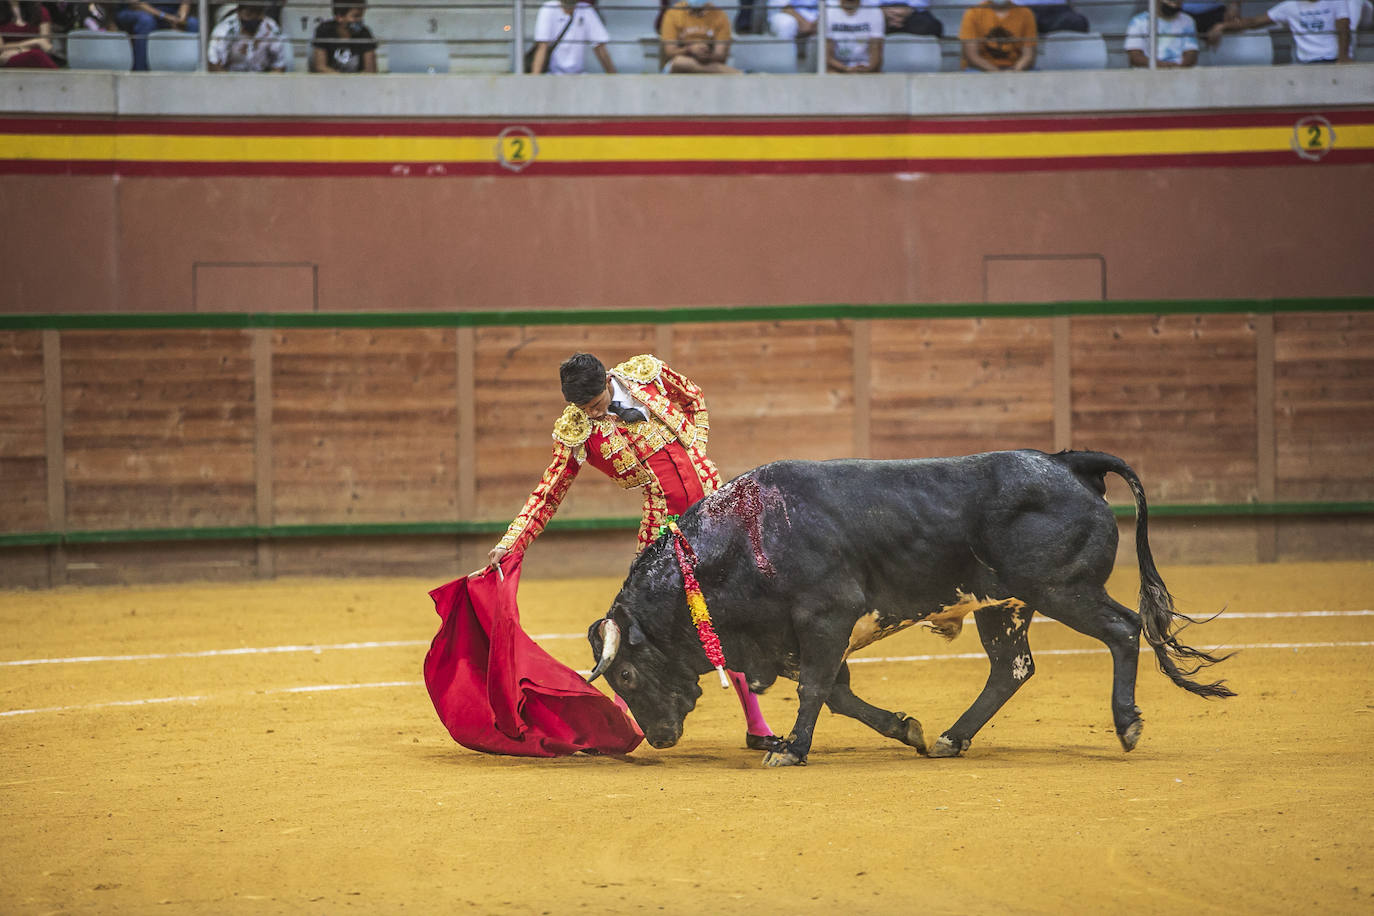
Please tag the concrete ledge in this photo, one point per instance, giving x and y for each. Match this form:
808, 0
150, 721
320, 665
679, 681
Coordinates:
646, 96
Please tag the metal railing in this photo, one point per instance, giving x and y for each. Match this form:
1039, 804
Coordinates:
491, 36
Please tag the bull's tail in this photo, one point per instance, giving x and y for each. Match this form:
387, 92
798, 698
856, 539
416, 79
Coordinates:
1161, 621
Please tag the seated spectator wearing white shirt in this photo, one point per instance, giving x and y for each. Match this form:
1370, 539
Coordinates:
793, 18
853, 38
247, 42
1321, 28
1055, 16
579, 26
1176, 42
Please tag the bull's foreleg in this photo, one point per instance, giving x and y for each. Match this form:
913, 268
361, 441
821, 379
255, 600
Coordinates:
1003, 630
896, 725
821, 657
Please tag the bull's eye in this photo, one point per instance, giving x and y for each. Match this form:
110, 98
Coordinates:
626, 677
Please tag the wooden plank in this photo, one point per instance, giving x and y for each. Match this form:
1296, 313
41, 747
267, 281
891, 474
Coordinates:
262, 446
54, 472
863, 388
1324, 406
363, 425
1266, 532
775, 390
1061, 334
26, 502
1175, 397
157, 428
958, 386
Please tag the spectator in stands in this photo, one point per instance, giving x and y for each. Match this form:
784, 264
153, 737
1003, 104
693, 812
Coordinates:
853, 37
1207, 13
25, 36
911, 16
695, 37
139, 19
97, 17
793, 18
246, 42
1321, 28
343, 44
1175, 37
1056, 16
568, 27
998, 35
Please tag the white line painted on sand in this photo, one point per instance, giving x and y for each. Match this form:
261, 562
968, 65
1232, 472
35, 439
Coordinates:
960, 656
537, 637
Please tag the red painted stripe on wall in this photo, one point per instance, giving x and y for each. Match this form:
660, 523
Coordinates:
624, 169
260, 127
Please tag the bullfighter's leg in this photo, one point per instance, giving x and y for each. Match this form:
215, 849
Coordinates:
821, 657
1003, 630
1092, 612
757, 732
896, 725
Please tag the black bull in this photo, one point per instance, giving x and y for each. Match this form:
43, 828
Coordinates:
802, 563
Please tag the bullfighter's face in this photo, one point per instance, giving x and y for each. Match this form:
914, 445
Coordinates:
597, 406
659, 691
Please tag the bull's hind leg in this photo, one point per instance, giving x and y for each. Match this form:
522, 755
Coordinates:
1003, 629
896, 725
1092, 612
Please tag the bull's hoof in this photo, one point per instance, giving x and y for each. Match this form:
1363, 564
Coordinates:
1131, 736
783, 758
764, 743
945, 747
912, 735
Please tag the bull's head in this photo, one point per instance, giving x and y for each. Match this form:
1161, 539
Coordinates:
660, 690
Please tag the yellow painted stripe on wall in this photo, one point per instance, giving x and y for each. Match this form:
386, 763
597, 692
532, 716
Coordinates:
636, 148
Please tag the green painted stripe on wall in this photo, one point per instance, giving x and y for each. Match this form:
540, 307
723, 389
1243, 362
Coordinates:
835, 311
414, 529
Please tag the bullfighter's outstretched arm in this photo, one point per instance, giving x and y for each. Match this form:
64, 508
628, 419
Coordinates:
544, 501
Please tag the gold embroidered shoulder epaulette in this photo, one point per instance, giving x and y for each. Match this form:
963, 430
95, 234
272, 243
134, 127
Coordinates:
643, 368
573, 427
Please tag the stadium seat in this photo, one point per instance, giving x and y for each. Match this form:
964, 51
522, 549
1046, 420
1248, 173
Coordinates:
1254, 48
951, 14
90, 50
763, 54
625, 18
1109, 17
417, 57
626, 53
176, 51
904, 53
1072, 51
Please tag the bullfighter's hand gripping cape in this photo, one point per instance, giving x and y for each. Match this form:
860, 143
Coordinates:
498, 692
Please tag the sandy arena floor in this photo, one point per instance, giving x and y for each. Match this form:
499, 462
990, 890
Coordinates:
146, 769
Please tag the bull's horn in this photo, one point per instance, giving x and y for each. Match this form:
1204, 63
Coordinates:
610, 645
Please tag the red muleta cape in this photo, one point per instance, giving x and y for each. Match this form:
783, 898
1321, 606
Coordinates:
497, 691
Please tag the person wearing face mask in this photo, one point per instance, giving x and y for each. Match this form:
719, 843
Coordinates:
695, 38
246, 42
343, 44
1176, 43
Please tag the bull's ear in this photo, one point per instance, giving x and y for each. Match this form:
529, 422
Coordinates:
636, 634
